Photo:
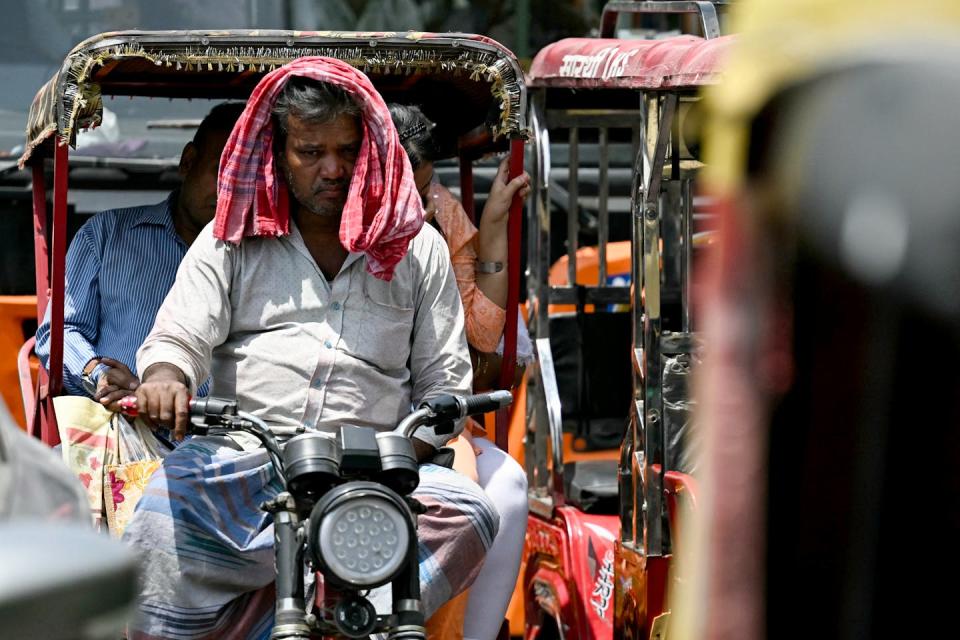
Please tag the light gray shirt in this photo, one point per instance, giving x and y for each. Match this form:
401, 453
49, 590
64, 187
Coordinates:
294, 348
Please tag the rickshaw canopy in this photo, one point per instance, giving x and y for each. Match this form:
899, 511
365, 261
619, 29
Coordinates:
592, 63
476, 73
469, 85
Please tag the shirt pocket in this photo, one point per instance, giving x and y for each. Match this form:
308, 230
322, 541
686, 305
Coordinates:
386, 329
386, 334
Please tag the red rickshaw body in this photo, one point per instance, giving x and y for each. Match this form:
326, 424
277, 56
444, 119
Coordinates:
571, 569
576, 556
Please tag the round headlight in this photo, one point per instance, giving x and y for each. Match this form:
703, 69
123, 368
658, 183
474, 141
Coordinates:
363, 537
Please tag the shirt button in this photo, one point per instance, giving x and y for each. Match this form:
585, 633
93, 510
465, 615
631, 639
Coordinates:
328, 344
336, 306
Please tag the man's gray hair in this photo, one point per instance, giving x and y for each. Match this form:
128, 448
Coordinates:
312, 101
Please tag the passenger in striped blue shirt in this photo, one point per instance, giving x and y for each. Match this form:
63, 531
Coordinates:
122, 263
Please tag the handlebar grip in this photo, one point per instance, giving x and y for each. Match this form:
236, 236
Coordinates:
486, 402
199, 407
128, 406
449, 407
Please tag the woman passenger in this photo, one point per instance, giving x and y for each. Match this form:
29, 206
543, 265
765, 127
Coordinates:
479, 258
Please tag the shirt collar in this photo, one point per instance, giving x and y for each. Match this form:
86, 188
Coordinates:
296, 240
160, 214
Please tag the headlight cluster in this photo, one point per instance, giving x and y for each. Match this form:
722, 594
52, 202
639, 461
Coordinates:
360, 533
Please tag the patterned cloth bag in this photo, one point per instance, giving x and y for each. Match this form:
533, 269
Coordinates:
112, 457
139, 454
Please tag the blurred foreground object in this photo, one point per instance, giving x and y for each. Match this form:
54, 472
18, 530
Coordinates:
63, 582
60, 579
34, 482
829, 397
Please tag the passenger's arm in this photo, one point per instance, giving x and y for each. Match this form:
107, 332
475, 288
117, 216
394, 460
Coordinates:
81, 312
492, 240
439, 359
482, 317
193, 319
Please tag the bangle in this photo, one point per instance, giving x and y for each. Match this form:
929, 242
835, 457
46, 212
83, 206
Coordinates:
489, 267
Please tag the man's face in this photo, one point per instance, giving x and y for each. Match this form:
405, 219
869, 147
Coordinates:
198, 166
318, 160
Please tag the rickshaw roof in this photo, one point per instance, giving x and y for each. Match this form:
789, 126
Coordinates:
606, 63
478, 73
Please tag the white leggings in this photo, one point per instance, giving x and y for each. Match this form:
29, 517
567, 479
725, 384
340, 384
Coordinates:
505, 483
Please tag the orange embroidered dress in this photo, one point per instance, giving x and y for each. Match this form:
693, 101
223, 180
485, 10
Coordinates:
484, 319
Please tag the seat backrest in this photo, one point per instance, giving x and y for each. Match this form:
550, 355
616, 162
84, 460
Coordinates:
16, 313
602, 341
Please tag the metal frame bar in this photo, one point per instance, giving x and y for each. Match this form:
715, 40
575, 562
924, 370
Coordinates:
61, 169
554, 419
543, 494
466, 186
40, 250
706, 10
630, 473
653, 431
603, 213
588, 118
514, 229
538, 228
686, 195
573, 208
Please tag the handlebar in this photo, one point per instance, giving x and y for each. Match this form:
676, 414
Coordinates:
217, 412
217, 416
447, 408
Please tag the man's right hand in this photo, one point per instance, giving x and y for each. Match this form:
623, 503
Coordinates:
163, 399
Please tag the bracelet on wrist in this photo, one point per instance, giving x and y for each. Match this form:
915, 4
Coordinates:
489, 267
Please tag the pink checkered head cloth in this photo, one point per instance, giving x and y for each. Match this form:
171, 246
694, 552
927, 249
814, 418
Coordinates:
383, 211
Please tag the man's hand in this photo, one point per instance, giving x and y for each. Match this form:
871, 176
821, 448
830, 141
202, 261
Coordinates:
163, 398
115, 383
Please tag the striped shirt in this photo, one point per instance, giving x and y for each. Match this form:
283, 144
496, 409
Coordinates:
120, 266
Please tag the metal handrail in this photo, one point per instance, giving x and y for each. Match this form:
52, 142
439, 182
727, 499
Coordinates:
706, 10
551, 396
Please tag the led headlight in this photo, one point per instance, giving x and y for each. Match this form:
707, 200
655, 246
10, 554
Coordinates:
361, 534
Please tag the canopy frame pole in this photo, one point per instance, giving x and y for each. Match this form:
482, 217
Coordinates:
514, 231
61, 168
41, 251
466, 186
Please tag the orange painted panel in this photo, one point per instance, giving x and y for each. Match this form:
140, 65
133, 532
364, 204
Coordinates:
14, 310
